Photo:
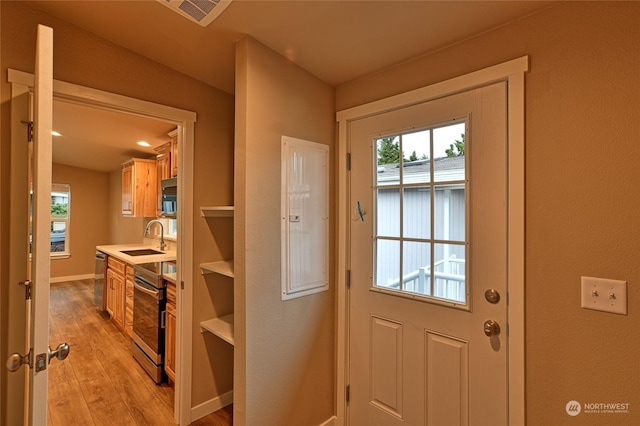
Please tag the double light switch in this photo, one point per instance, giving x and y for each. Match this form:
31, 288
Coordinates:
606, 295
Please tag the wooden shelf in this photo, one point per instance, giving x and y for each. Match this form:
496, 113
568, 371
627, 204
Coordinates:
217, 211
221, 327
224, 267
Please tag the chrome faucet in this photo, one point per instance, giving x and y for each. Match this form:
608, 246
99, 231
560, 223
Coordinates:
146, 232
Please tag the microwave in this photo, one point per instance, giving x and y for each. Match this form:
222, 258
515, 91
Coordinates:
169, 194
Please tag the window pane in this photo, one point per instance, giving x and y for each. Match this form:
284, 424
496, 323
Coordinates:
450, 272
448, 153
416, 147
58, 236
449, 211
416, 273
60, 215
388, 164
60, 204
387, 263
417, 212
420, 209
388, 209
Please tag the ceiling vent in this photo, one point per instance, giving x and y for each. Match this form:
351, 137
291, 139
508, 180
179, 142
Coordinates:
202, 12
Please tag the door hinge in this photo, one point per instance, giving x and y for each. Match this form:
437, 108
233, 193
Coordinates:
348, 161
348, 278
29, 130
348, 393
27, 289
181, 285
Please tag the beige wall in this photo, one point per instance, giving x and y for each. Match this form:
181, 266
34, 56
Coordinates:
89, 218
84, 59
284, 350
582, 192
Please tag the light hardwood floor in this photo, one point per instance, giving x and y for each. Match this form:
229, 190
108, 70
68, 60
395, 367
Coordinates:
100, 383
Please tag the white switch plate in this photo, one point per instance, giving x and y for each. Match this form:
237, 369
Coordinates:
606, 295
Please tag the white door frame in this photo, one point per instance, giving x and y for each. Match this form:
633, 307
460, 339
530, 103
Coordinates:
513, 73
185, 120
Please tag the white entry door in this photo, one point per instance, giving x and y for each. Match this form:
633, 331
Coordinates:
428, 258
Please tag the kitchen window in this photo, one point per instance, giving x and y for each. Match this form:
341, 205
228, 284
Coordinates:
60, 219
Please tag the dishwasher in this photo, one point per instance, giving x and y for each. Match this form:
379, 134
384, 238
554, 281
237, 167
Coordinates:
99, 289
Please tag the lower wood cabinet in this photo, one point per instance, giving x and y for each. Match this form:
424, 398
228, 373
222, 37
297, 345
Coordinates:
170, 332
116, 291
128, 311
111, 297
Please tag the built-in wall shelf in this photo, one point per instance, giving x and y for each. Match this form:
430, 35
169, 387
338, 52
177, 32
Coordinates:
217, 211
224, 267
221, 327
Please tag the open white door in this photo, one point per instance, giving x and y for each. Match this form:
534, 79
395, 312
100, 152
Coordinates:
40, 222
32, 229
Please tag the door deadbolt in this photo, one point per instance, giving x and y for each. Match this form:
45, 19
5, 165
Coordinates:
492, 296
491, 328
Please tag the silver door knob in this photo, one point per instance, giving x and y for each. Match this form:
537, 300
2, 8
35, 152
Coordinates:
16, 360
61, 352
491, 328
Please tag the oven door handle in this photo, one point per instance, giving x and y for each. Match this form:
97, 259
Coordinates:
146, 290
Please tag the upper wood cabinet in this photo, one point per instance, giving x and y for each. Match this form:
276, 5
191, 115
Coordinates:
139, 188
168, 156
174, 152
166, 163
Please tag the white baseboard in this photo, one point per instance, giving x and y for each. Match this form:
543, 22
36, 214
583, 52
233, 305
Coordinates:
332, 421
214, 404
71, 278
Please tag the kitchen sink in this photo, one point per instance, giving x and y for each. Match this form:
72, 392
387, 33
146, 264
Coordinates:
141, 252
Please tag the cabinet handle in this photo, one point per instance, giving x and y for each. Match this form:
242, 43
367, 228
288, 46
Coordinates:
163, 320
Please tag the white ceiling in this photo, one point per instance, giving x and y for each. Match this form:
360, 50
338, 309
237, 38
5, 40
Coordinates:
102, 140
338, 41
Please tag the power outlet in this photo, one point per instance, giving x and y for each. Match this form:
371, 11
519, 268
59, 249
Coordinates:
605, 295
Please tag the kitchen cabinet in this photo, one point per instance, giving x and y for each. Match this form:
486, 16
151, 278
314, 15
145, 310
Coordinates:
163, 161
174, 152
223, 326
139, 188
128, 311
166, 164
116, 291
163, 167
111, 298
170, 332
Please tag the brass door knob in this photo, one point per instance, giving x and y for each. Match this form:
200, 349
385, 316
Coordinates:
491, 328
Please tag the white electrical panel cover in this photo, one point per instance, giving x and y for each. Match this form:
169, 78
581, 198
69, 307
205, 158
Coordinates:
304, 217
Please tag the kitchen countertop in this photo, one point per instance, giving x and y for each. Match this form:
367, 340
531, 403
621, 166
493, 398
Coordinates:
170, 277
116, 251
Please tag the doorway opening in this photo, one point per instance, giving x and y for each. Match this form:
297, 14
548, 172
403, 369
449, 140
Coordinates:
184, 121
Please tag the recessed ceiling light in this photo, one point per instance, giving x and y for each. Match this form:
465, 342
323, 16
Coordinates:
54, 133
143, 143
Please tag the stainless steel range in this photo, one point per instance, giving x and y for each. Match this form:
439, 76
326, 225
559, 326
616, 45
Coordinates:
148, 307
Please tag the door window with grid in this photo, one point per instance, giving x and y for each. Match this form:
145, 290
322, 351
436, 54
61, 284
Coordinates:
421, 213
